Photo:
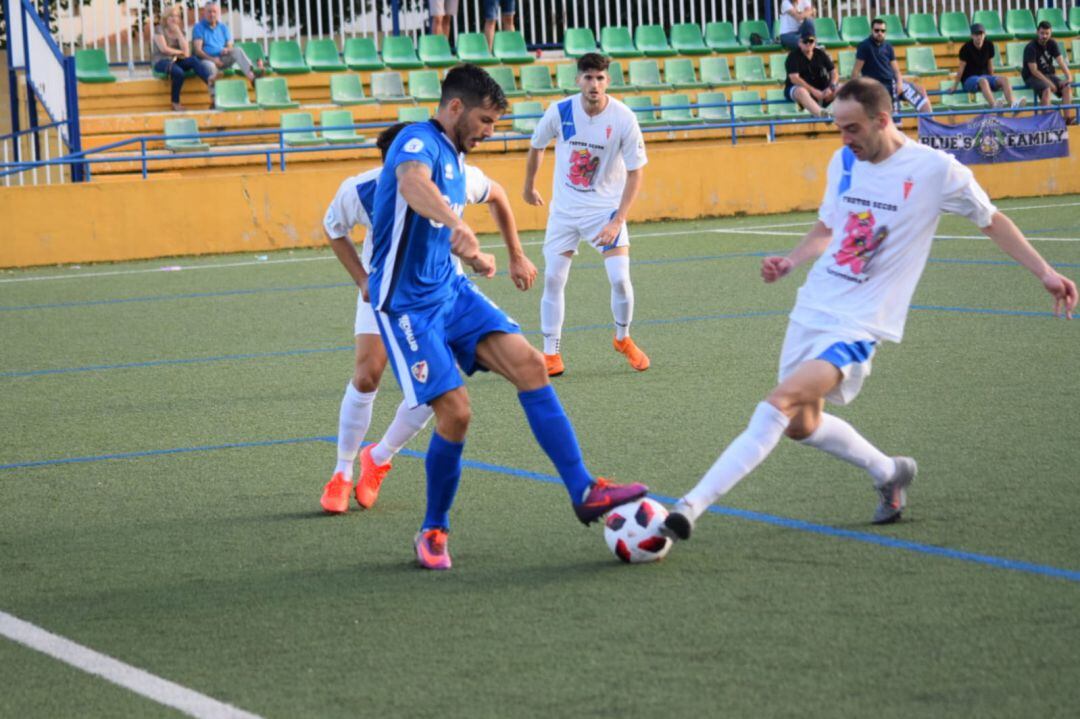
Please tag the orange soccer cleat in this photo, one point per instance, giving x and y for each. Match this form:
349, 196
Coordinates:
637, 359
335, 496
371, 478
554, 365
431, 551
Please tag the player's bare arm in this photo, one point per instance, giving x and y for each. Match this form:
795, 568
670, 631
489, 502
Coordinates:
634, 179
1008, 237
532, 166
347, 255
522, 270
809, 248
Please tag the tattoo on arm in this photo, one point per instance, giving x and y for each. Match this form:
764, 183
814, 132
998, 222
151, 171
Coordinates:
411, 166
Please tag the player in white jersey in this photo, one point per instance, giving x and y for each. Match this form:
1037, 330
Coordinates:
599, 161
883, 199
352, 207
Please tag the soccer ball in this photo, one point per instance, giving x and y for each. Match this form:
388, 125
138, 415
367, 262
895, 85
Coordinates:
632, 531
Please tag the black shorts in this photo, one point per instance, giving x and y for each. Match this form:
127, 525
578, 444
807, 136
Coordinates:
1038, 85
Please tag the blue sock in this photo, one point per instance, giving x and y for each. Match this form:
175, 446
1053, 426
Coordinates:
443, 465
556, 437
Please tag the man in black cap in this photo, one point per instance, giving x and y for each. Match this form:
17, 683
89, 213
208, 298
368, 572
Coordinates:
976, 70
1038, 69
811, 76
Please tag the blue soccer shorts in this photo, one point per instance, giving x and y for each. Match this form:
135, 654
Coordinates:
850, 351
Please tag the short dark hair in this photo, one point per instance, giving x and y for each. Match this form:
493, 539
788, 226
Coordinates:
871, 94
386, 137
593, 61
474, 87
878, 21
1045, 25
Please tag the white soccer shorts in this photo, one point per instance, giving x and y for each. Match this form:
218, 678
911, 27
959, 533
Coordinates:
564, 234
850, 351
365, 324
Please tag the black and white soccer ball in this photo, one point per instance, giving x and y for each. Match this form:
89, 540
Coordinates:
632, 531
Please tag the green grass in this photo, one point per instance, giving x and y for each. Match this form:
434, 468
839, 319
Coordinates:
214, 569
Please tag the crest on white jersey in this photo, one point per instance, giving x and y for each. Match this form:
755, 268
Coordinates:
420, 371
413, 146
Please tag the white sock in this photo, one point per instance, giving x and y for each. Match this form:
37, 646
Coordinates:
622, 293
747, 451
843, 441
553, 303
353, 421
406, 425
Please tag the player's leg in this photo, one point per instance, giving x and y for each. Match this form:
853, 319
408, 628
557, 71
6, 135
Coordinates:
560, 245
442, 465
617, 264
376, 459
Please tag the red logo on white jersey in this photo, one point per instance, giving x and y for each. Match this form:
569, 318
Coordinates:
908, 184
607, 134
420, 371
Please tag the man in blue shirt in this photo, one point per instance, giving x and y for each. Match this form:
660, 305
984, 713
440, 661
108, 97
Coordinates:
213, 44
434, 320
875, 58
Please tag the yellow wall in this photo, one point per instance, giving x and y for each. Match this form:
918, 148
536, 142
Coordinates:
258, 211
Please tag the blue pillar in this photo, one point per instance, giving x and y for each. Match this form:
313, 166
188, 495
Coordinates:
395, 12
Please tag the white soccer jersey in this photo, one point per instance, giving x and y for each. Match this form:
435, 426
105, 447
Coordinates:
592, 154
352, 206
883, 225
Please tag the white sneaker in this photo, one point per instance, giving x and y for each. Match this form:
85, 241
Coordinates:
1018, 103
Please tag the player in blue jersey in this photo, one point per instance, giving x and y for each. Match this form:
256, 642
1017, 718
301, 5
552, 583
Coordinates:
353, 205
434, 320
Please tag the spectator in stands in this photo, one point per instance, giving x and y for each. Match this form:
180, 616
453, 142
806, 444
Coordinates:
442, 12
812, 79
976, 70
1038, 69
876, 59
491, 14
171, 55
796, 18
214, 45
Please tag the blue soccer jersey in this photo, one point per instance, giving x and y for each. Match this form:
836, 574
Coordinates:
411, 264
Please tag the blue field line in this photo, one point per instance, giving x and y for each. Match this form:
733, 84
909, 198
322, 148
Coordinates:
880, 540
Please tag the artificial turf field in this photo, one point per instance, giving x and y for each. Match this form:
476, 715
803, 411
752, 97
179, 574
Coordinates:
165, 435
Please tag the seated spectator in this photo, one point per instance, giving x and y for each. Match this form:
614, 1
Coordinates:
811, 80
796, 18
876, 59
976, 70
491, 14
170, 55
1038, 69
214, 45
442, 12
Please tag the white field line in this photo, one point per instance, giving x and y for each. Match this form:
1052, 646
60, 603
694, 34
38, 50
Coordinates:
745, 230
936, 237
143, 683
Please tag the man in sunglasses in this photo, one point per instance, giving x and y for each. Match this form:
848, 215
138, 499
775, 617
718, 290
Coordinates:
876, 59
811, 76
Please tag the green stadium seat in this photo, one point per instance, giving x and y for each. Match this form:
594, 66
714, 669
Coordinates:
779, 107
505, 77
1074, 18
686, 39
921, 62
415, 113
388, 87
232, 95
303, 127
845, 64
536, 80
1056, 18
473, 47
645, 75
183, 126
757, 27
715, 72
855, 28
644, 108
322, 56
720, 37
434, 51
346, 89
679, 73
1014, 57
955, 26
272, 93
1020, 23
618, 79
777, 66
424, 85
713, 114
286, 59
525, 125
894, 30
92, 66
990, 20
652, 41
922, 28
510, 48
750, 69
566, 77
360, 54
827, 34
254, 52
674, 110
956, 100
399, 54
616, 42
749, 111
1074, 53
335, 126
578, 41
